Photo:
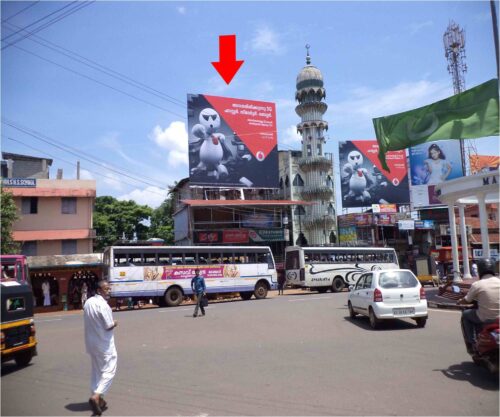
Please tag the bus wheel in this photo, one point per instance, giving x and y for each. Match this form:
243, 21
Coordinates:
337, 284
246, 295
23, 359
173, 297
260, 291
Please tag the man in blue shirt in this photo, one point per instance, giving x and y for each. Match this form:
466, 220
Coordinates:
198, 287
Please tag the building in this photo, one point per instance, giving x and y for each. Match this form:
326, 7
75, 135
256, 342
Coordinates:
55, 215
308, 175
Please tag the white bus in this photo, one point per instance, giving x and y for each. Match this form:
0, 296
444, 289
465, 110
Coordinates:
333, 268
165, 272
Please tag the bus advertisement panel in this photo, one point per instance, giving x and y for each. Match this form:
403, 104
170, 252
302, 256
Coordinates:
232, 142
363, 180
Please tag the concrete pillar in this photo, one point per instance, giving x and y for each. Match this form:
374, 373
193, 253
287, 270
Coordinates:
454, 243
483, 219
463, 234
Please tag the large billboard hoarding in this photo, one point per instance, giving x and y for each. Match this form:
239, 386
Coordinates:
432, 163
232, 142
363, 180
483, 163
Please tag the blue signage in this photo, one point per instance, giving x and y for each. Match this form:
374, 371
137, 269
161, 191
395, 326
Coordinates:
424, 224
19, 182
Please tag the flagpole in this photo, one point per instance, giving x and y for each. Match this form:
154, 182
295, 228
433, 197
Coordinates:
495, 32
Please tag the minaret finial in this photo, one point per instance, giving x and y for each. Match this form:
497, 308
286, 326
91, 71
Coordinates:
308, 58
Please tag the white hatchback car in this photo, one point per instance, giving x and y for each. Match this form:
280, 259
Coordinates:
388, 294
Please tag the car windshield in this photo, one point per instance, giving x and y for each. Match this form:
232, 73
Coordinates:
397, 279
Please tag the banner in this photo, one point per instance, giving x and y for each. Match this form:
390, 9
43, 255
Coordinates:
430, 164
232, 142
347, 234
468, 115
483, 163
363, 180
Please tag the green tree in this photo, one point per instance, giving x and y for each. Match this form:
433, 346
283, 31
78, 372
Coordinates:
9, 216
113, 218
162, 222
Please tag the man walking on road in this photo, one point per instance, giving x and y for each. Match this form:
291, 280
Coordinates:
198, 287
100, 345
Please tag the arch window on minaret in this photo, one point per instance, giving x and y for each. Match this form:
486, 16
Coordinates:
319, 149
298, 181
281, 182
309, 150
331, 210
329, 182
287, 181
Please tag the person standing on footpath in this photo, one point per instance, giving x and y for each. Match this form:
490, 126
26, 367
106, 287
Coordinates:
281, 282
199, 288
100, 345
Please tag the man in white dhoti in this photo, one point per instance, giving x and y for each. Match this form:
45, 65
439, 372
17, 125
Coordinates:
46, 293
100, 345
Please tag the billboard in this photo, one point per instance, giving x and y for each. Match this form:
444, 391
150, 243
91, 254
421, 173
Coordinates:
483, 163
432, 163
232, 142
363, 180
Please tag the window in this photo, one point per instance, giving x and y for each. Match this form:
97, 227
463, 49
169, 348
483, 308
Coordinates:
309, 151
68, 205
292, 260
164, 258
331, 210
15, 304
298, 181
319, 150
399, 279
29, 205
68, 247
150, 259
29, 248
360, 283
368, 281
329, 182
120, 259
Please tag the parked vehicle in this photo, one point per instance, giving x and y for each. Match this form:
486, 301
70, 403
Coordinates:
388, 294
18, 341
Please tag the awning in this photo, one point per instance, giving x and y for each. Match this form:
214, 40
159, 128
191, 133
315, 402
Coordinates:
228, 203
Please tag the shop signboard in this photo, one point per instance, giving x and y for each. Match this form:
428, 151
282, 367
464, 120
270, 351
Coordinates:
424, 224
430, 164
478, 254
384, 208
267, 235
257, 220
355, 219
363, 180
19, 182
406, 224
347, 234
385, 219
235, 236
232, 142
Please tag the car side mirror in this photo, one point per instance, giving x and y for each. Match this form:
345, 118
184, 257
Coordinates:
351, 287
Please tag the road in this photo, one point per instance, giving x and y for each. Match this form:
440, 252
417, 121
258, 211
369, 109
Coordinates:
297, 354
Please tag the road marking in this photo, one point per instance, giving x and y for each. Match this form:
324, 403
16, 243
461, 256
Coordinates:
310, 298
443, 310
42, 321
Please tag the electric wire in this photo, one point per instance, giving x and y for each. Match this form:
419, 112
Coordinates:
21, 11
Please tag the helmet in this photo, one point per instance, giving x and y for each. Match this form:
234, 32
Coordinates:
486, 266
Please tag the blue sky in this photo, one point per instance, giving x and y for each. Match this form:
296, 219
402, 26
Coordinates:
377, 58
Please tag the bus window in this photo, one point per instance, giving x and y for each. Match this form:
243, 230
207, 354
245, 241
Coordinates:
323, 258
135, 259
252, 258
215, 258
292, 260
176, 260
149, 259
164, 258
120, 259
190, 258
266, 258
202, 259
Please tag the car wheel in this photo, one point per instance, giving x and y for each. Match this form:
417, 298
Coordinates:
421, 321
173, 297
352, 313
337, 284
23, 359
374, 321
260, 291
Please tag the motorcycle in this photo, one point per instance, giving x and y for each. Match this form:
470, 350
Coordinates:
485, 349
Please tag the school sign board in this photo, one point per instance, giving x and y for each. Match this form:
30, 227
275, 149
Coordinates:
363, 180
232, 142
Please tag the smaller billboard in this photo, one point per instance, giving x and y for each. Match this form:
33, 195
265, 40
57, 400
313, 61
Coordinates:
363, 180
483, 163
406, 224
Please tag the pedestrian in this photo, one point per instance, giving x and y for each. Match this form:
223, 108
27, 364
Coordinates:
474, 271
199, 288
281, 282
85, 289
100, 345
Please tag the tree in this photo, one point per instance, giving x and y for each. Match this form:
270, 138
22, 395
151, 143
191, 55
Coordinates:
113, 218
9, 216
162, 222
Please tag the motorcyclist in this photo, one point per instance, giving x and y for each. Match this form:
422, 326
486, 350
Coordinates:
486, 292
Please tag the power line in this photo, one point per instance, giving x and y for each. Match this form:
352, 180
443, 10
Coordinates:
106, 70
39, 20
22, 10
40, 137
43, 152
51, 22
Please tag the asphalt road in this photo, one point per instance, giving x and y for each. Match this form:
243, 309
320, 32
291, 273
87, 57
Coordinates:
290, 355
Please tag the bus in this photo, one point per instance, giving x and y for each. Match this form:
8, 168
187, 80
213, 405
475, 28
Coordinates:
165, 272
333, 268
18, 327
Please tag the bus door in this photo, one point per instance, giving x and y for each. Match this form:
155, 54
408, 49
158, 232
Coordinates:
294, 267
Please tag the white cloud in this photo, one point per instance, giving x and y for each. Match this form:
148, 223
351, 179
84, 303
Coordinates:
113, 180
151, 196
174, 139
86, 175
181, 10
365, 103
111, 141
265, 40
291, 137
417, 27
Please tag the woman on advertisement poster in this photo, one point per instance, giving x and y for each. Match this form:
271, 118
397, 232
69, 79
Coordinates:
437, 166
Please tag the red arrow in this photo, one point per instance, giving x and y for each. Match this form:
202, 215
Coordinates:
228, 66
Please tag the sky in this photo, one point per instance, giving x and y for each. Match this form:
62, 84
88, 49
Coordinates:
106, 82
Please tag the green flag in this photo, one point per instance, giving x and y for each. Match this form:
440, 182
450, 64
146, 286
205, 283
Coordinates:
468, 115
